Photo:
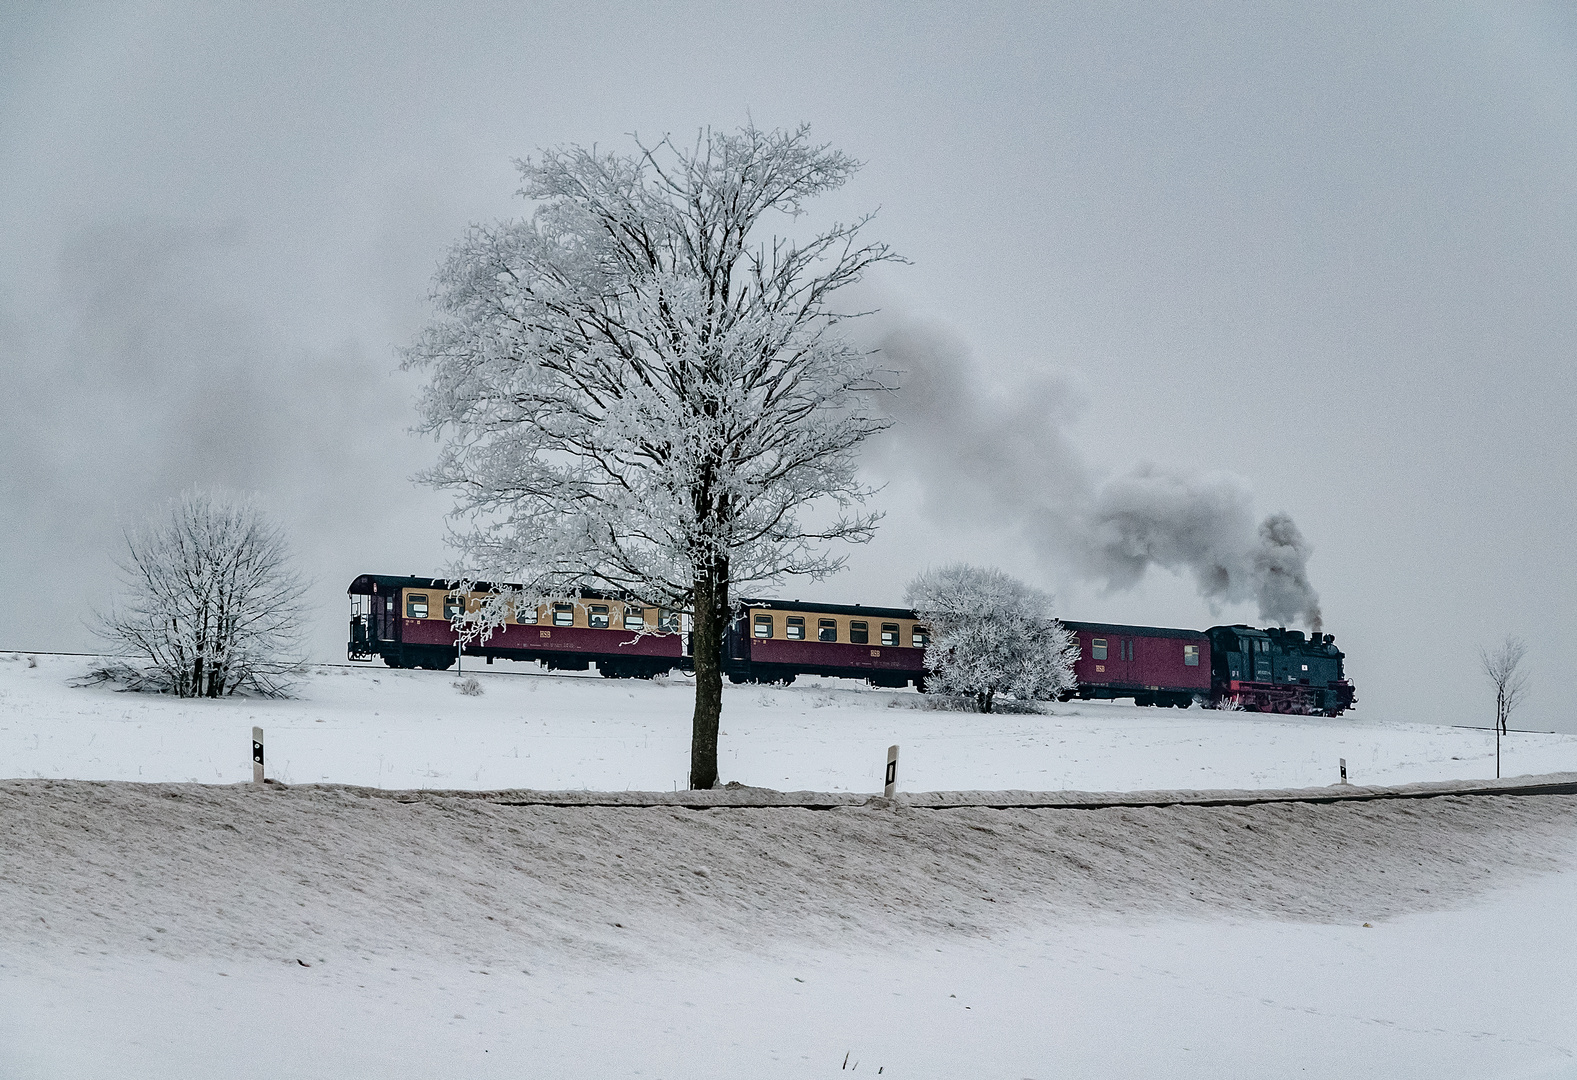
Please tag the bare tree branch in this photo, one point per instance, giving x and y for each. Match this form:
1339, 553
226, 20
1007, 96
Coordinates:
209, 599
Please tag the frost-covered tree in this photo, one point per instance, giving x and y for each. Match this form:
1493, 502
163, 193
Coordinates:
642, 389
991, 635
1503, 669
209, 600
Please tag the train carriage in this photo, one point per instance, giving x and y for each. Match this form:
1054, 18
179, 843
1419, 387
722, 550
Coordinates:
1152, 665
777, 640
408, 622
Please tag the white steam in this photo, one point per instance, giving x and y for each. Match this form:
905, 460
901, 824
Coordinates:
1004, 459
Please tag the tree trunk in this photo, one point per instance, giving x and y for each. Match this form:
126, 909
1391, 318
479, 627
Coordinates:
706, 648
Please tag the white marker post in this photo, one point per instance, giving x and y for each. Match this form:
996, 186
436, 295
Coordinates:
892, 772
1344, 769
257, 755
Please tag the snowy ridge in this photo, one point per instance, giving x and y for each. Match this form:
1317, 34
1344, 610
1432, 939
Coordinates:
310, 872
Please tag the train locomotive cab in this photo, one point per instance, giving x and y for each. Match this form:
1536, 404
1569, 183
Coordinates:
1278, 670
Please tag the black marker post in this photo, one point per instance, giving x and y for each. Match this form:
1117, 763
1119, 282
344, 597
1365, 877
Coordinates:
257, 755
892, 772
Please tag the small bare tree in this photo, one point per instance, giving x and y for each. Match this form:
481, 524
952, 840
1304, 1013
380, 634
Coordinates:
992, 634
643, 389
1503, 668
210, 600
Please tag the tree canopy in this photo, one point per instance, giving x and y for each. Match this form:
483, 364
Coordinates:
642, 390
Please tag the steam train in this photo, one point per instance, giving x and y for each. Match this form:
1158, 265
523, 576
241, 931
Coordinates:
408, 621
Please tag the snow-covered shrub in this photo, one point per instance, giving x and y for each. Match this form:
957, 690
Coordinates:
210, 602
991, 635
469, 686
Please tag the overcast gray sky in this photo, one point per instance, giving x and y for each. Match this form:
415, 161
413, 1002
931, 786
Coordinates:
1329, 250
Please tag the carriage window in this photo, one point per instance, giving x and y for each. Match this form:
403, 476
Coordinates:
451, 607
1098, 648
416, 606
563, 614
634, 618
890, 634
860, 633
526, 615
827, 630
763, 626
795, 628
667, 621
922, 637
597, 617
1190, 655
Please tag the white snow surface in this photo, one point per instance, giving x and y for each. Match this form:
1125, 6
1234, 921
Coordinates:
179, 929
379, 727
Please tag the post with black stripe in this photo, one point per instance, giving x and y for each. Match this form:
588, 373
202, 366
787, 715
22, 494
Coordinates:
257, 755
892, 772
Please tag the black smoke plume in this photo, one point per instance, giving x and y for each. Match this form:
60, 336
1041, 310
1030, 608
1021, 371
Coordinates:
1003, 458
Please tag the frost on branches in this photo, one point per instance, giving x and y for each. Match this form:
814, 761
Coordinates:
640, 391
210, 603
991, 635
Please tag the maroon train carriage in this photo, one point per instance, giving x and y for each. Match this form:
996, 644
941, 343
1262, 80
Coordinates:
1151, 664
406, 621
773, 641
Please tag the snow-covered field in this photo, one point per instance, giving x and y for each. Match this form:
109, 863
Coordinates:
378, 727
176, 930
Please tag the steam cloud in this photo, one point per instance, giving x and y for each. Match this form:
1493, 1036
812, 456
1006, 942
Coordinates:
1004, 459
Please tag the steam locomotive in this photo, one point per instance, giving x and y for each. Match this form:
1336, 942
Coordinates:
408, 621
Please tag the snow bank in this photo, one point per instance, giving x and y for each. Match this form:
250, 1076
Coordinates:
323, 874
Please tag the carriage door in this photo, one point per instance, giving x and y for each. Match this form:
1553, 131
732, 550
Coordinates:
385, 615
736, 640
1130, 671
